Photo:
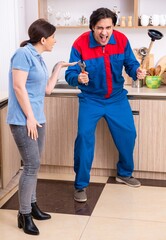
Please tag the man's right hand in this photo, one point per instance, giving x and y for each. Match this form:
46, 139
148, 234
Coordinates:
83, 78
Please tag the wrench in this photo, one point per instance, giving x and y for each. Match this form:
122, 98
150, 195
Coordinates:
82, 66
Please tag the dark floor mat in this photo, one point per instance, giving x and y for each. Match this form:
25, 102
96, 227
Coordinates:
57, 197
144, 182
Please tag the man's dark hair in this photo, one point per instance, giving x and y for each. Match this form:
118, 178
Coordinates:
102, 13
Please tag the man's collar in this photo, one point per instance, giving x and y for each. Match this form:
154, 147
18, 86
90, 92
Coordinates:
94, 43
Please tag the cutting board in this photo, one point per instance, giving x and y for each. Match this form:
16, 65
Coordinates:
149, 64
162, 63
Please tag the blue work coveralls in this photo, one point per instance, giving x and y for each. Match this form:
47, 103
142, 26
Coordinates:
104, 96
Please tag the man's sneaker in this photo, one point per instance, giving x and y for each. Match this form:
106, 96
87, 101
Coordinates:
80, 195
130, 181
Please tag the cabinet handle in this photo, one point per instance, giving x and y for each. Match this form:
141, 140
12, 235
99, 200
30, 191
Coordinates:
135, 112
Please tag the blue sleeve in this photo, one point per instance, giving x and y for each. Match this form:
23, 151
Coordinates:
20, 60
71, 74
131, 64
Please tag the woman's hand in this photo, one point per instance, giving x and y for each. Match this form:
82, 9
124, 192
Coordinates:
55, 72
32, 125
67, 64
62, 64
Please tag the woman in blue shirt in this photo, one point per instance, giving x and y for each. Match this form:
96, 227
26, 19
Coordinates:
28, 83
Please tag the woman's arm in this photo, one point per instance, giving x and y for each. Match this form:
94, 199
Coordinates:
53, 79
19, 82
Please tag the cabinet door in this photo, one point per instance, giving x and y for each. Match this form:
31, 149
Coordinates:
106, 154
61, 128
10, 157
152, 143
135, 106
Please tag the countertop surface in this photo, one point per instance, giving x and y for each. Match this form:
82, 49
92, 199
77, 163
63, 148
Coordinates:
3, 96
144, 91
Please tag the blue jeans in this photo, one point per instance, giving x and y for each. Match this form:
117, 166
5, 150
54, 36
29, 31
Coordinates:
30, 151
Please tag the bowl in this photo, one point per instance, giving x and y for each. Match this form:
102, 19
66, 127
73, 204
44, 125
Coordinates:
153, 81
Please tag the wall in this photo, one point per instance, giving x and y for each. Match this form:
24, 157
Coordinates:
17, 15
138, 37
9, 38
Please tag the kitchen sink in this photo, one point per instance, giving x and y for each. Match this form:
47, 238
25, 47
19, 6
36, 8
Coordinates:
64, 86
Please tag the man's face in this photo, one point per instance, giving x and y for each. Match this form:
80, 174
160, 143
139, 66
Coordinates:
102, 31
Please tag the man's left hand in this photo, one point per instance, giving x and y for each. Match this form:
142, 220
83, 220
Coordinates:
141, 73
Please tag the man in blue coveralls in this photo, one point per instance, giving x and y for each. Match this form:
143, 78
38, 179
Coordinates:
104, 51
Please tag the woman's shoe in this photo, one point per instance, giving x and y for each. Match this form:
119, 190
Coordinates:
38, 214
25, 221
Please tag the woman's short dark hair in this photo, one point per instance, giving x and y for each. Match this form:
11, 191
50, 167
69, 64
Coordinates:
101, 13
38, 29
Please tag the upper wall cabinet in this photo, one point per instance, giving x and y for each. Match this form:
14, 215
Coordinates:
131, 13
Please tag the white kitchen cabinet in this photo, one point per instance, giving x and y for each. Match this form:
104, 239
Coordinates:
10, 160
152, 134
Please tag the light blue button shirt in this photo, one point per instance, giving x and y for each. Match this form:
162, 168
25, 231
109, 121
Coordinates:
29, 60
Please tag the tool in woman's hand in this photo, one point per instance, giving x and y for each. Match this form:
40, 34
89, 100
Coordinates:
82, 66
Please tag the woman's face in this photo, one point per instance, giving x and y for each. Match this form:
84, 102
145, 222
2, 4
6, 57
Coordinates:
102, 31
49, 43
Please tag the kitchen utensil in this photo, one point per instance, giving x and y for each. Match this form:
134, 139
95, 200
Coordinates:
164, 77
154, 35
67, 16
162, 63
143, 52
162, 20
58, 17
82, 66
144, 20
137, 84
157, 70
154, 20
154, 71
151, 71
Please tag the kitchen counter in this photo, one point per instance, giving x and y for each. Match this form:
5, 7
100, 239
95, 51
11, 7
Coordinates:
143, 92
3, 97
148, 108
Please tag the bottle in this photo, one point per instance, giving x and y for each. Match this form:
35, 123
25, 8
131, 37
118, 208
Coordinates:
129, 23
123, 21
